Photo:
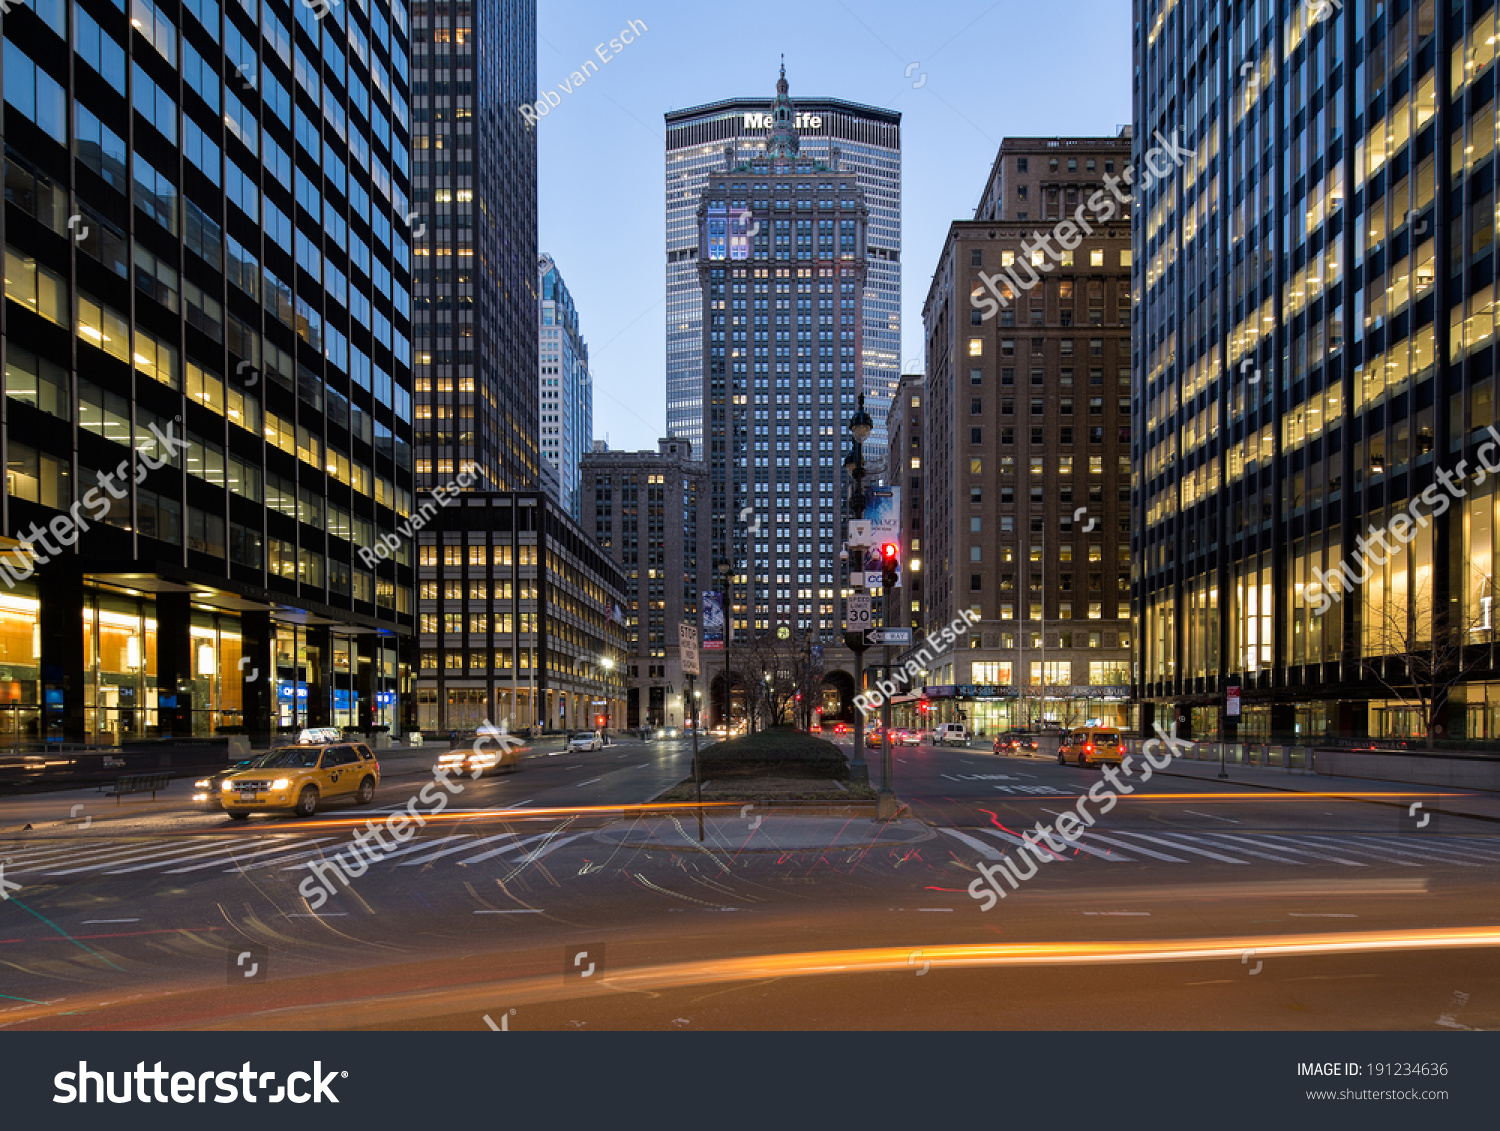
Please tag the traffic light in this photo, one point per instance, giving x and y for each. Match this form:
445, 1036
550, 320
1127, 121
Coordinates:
600, 721
890, 562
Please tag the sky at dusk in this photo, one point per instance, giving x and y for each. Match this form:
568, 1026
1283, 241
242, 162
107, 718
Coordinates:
962, 75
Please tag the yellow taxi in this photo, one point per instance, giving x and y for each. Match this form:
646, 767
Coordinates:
301, 779
1089, 746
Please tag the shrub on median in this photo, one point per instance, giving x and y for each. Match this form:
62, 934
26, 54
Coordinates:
780, 751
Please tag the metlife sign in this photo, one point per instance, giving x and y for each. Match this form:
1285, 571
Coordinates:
764, 121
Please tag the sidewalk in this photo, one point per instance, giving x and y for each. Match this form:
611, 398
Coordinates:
1451, 802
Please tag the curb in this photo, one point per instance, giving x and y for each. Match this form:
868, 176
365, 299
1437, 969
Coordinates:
1365, 800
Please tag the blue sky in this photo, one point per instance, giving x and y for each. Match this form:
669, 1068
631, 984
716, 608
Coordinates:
992, 69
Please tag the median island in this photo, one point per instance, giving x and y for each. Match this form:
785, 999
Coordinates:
779, 764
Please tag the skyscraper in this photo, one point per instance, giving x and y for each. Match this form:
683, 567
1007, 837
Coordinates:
475, 242
656, 501
1314, 356
207, 368
566, 393
862, 140
782, 275
1026, 461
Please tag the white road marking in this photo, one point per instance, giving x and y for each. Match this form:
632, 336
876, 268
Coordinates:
1248, 851
591, 781
1117, 913
977, 845
245, 856
1211, 816
483, 856
1320, 915
518, 911
459, 848
1293, 851
1135, 848
1186, 848
92, 922
1113, 857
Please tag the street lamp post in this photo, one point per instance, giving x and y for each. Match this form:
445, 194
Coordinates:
860, 427
608, 664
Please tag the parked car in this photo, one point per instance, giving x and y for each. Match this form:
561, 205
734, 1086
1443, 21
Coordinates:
585, 740
1089, 746
951, 734
301, 779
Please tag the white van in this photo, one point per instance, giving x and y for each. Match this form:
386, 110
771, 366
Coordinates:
949, 734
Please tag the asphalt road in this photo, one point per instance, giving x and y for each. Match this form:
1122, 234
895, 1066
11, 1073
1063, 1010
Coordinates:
1187, 905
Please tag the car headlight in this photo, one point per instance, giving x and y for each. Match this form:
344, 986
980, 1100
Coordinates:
281, 783
202, 783
227, 786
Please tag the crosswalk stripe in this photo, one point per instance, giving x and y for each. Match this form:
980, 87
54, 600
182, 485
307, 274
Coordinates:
1135, 848
158, 855
281, 859
977, 845
216, 855
1184, 847
1296, 851
1357, 848
548, 849
1469, 849
1246, 851
1101, 854
483, 856
420, 846
1011, 838
1429, 854
244, 856
53, 857
450, 851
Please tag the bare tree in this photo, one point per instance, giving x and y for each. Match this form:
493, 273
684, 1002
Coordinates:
780, 669
1420, 654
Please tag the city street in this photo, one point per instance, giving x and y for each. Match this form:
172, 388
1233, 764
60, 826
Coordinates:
1192, 904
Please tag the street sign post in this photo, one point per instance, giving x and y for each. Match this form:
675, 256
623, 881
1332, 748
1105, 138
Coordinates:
687, 649
888, 635
859, 619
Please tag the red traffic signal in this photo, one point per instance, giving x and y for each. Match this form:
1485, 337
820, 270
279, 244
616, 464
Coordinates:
890, 553
600, 721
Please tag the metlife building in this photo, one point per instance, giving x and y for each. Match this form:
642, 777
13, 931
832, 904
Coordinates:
863, 140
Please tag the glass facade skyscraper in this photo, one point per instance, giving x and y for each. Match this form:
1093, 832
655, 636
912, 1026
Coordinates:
565, 392
1314, 365
207, 367
861, 140
475, 279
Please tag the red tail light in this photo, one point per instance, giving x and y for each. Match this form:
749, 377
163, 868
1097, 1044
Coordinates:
1089, 747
